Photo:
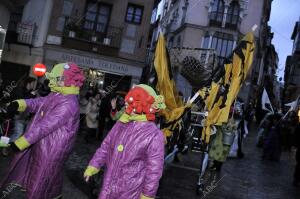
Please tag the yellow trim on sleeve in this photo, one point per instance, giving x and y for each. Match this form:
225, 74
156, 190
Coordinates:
90, 171
22, 105
145, 197
22, 143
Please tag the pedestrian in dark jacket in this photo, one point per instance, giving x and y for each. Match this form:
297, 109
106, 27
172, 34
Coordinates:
297, 168
272, 140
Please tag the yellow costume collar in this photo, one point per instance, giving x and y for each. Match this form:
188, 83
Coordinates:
66, 90
125, 118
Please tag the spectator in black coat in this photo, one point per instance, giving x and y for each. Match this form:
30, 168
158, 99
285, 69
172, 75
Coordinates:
297, 144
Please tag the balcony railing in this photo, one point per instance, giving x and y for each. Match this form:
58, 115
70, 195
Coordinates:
22, 34
25, 33
216, 18
105, 43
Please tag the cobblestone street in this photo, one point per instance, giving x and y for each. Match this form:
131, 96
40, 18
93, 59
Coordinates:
248, 178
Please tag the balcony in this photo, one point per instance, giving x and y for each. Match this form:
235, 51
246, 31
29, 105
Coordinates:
105, 43
21, 33
216, 19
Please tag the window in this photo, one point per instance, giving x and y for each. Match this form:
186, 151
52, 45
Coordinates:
67, 8
233, 15
171, 42
134, 14
179, 41
206, 41
66, 13
15, 18
97, 17
217, 12
221, 42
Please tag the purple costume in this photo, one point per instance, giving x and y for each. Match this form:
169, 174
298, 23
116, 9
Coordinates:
133, 154
51, 134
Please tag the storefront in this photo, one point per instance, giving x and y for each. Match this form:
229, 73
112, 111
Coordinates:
12, 72
107, 81
102, 72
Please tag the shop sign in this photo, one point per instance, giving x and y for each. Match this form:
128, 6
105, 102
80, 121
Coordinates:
100, 64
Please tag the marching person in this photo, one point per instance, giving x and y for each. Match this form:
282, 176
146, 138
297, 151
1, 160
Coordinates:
49, 138
219, 149
133, 151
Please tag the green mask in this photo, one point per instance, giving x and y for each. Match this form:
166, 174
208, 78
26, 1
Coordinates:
55, 74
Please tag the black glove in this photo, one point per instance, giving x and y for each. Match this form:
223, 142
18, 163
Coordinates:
14, 148
12, 109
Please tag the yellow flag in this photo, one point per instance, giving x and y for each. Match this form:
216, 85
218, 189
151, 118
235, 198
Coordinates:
166, 87
218, 107
165, 83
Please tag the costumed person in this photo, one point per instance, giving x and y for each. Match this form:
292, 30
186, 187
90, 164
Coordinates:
222, 142
50, 136
241, 133
133, 151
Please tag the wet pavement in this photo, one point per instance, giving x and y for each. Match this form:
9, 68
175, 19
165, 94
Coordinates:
247, 178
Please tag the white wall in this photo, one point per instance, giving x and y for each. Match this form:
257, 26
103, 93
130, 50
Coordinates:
197, 12
38, 12
253, 16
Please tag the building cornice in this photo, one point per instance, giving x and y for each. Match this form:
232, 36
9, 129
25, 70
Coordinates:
295, 31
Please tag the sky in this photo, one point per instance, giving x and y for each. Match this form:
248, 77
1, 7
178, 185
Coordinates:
284, 15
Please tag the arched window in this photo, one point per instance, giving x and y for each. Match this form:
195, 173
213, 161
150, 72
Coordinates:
233, 14
217, 12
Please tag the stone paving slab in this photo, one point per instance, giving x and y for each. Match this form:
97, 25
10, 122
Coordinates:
247, 178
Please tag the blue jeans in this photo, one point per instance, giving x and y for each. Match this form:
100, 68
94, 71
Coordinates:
18, 130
